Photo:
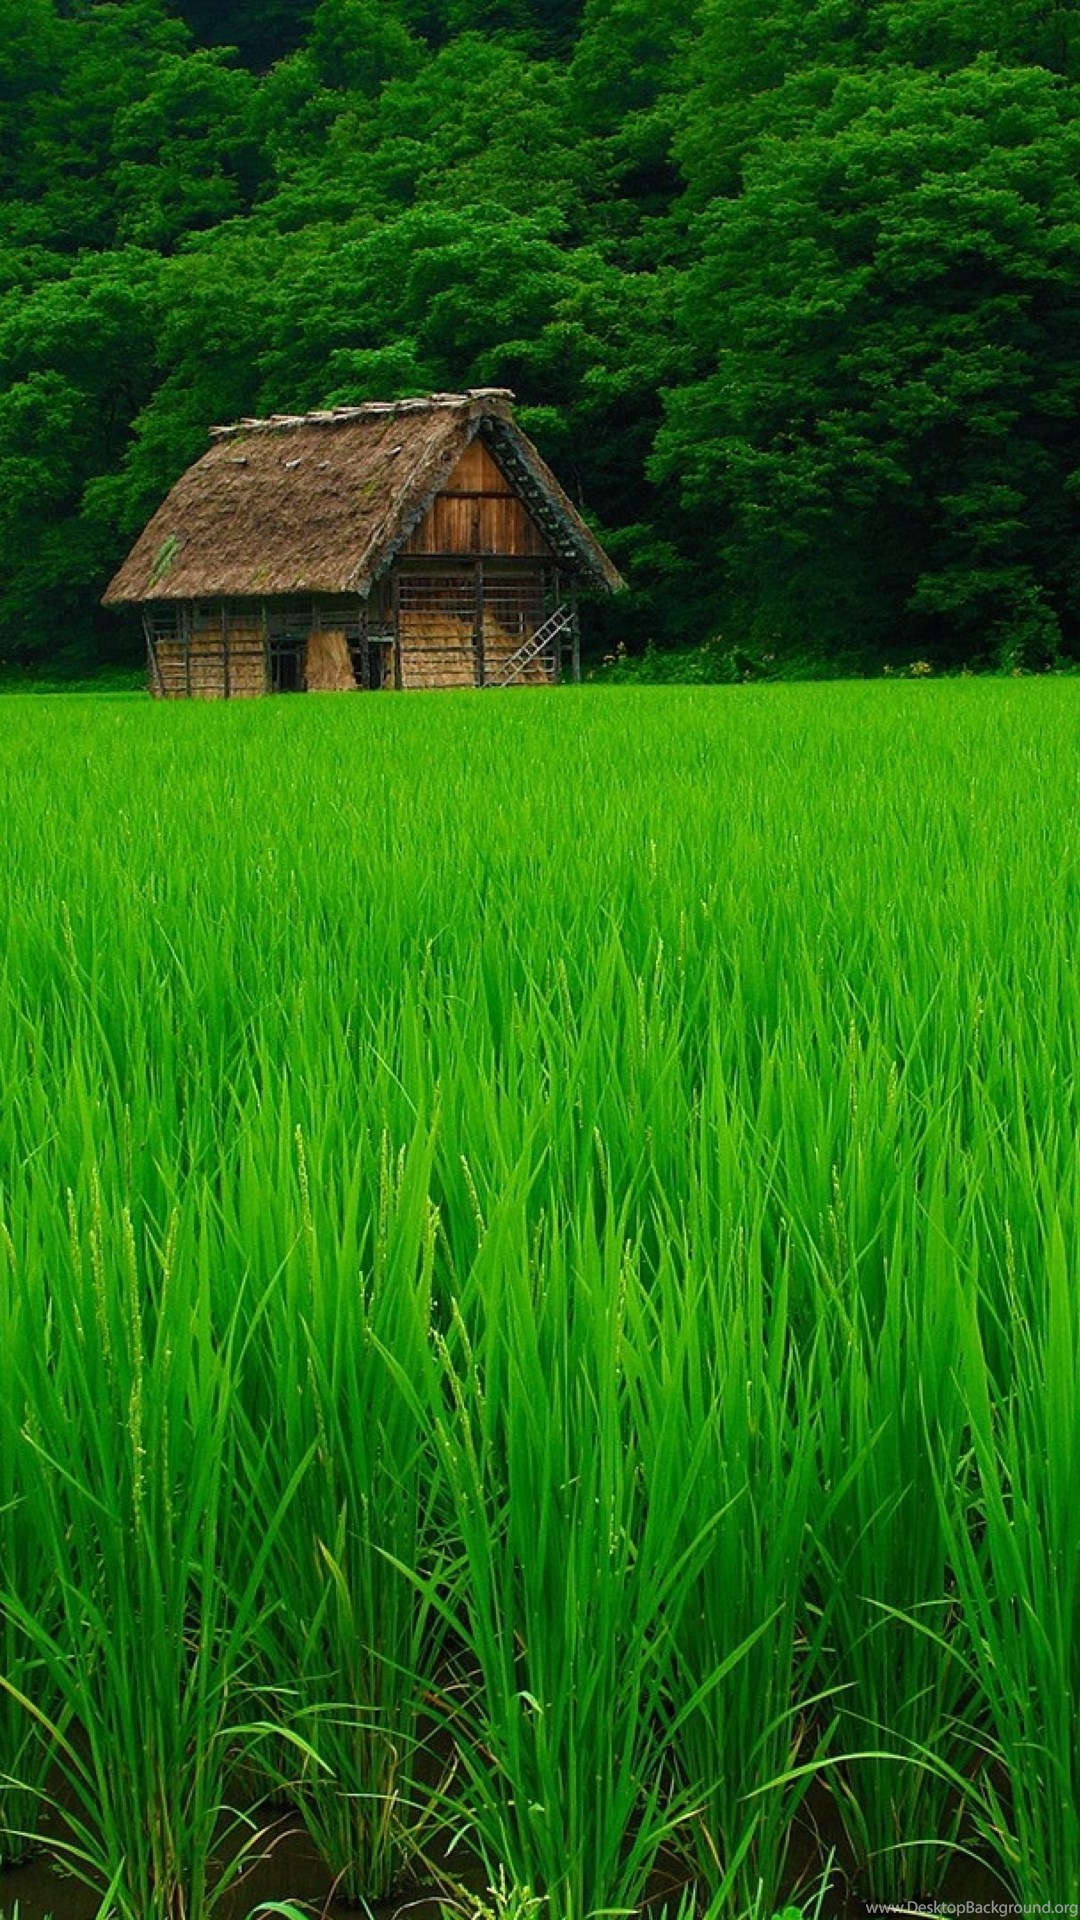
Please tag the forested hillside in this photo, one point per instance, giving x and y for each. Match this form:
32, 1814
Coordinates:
789, 290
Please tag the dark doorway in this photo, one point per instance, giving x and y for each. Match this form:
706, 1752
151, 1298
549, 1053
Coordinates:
287, 664
379, 665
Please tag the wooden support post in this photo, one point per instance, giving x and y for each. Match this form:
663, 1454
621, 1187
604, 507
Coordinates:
225, 673
478, 624
189, 641
575, 639
395, 603
554, 591
267, 679
365, 647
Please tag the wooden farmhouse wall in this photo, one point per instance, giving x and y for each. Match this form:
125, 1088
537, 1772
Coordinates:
473, 581
229, 649
478, 512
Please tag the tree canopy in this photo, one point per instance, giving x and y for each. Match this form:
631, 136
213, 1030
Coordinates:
787, 289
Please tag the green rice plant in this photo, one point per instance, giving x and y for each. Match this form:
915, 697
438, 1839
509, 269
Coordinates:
893, 1426
716, 1380
342, 1358
569, 1584
136, 1462
703, 1330
500, 1902
1016, 1554
27, 1571
26, 1745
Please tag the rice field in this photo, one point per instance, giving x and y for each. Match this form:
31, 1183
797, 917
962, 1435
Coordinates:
538, 1298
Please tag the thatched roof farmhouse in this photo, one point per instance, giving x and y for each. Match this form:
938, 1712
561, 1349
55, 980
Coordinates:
412, 543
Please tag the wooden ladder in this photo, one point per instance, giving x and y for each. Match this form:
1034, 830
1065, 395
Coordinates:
546, 636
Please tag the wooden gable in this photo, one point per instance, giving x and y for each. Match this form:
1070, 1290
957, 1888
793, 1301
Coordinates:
478, 512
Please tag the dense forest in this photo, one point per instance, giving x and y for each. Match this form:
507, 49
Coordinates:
789, 290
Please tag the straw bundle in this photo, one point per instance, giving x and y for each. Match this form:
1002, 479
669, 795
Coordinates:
329, 668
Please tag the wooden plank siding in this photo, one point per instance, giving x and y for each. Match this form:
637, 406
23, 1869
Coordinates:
478, 512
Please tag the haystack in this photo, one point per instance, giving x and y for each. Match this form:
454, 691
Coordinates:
329, 668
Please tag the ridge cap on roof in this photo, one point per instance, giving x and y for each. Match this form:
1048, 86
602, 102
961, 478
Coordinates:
367, 410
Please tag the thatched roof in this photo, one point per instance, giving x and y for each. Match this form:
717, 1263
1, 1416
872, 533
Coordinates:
321, 502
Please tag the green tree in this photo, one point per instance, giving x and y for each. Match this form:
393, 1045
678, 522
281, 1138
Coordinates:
360, 44
187, 153
480, 122
77, 362
99, 60
885, 321
30, 53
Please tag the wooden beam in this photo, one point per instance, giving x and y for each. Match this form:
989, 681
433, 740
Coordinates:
365, 647
478, 623
225, 662
475, 493
395, 614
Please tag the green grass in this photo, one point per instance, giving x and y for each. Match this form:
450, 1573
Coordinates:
538, 1251
68, 677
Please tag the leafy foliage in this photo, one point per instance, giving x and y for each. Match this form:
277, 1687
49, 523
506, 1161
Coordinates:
887, 314
788, 292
